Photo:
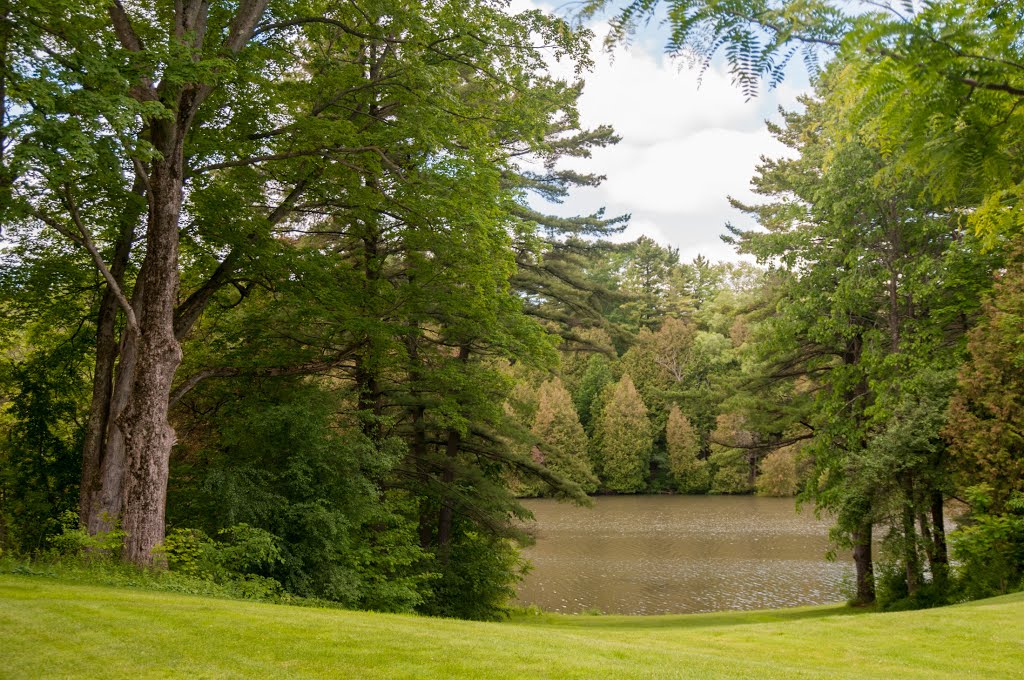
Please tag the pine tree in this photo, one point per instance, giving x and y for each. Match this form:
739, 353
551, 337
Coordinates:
626, 441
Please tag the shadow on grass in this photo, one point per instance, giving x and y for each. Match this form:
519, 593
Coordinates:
708, 620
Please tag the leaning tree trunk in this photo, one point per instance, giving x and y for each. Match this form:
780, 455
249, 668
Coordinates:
105, 508
92, 509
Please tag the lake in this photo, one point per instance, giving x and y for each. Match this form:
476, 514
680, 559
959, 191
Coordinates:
678, 554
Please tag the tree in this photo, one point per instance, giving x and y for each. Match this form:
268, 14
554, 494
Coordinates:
220, 135
698, 281
874, 313
780, 474
986, 413
587, 396
625, 438
645, 278
562, 443
689, 471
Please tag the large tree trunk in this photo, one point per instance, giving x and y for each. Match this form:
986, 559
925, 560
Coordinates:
864, 566
134, 458
148, 436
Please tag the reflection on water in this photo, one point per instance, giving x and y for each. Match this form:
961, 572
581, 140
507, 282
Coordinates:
676, 554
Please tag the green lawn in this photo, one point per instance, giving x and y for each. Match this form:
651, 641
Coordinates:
49, 628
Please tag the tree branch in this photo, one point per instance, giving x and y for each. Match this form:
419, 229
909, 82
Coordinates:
189, 311
130, 40
84, 240
266, 28
311, 368
123, 27
253, 160
995, 87
243, 26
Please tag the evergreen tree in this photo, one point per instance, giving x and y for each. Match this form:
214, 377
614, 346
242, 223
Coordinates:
986, 415
561, 441
689, 471
587, 397
625, 438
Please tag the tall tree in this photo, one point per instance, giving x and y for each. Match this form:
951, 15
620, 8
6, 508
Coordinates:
689, 471
986, 415
625, 438
562, 443
875, 314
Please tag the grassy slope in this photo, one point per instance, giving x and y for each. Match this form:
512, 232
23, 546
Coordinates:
53, 629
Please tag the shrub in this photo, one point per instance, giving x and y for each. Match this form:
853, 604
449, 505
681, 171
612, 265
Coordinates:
990, 547
778, 474
479, 580
74, 541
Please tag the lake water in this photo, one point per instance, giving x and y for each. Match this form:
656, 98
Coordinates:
677, 554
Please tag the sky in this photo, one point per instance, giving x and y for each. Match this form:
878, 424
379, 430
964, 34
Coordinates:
688, 143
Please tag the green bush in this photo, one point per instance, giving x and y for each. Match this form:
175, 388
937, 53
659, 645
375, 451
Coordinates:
187, 551
892, 593
479, 580
233, 561
74, 541
989, 549
245, 549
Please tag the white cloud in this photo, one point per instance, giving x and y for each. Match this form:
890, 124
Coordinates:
686, 145
686, 173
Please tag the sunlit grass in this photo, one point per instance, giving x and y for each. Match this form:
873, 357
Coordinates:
51, 628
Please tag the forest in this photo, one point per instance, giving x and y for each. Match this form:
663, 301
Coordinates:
288, 304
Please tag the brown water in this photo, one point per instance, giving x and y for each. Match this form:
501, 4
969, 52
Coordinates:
676, 554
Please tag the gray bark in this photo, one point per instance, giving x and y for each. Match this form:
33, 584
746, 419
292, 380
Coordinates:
107, 351
864, 565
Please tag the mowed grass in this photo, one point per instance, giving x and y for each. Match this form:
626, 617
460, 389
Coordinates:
50, 628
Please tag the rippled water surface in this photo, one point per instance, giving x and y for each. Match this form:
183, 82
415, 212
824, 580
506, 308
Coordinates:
675, 554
